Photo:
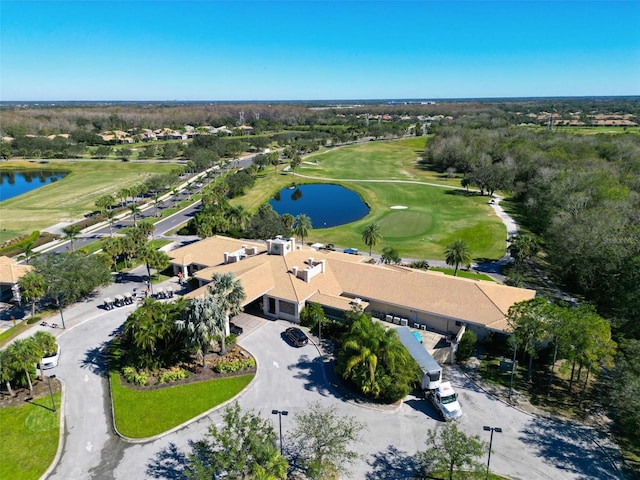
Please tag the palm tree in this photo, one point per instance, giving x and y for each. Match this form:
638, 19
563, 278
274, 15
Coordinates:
6, 372
46, 344
457, 253
367, 346
288, 220
239, 217
33, 286
144, 327
153, 258
110, 215
201, 322
135, 210
371, 235
28, 250
114, 248
71, 233
229, 295
24, 354
303, 225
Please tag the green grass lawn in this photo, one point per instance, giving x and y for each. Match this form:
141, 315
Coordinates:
72, 197
434, 216
29, 438
144, 413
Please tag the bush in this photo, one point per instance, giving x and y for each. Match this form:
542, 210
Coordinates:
236, 365
173, 375
466, 346
131, 375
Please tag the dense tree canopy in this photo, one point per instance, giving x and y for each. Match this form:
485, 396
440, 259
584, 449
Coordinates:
71, 276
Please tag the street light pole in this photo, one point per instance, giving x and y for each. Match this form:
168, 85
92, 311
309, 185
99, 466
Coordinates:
53, 404
490, 429
280, 413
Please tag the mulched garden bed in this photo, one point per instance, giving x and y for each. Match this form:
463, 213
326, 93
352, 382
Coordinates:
197, 373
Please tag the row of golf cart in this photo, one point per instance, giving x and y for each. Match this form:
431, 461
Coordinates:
117, 301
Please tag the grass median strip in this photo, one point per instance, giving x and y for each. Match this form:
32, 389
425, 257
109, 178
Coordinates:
144, 413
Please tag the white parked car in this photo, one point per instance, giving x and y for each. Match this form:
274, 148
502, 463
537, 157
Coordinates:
50, 360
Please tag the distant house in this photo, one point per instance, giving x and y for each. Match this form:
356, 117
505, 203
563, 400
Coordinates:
280, 277
10, 274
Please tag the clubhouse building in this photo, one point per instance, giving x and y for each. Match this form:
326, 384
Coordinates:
279, 277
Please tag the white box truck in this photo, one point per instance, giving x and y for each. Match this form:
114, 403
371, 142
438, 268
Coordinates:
441, 394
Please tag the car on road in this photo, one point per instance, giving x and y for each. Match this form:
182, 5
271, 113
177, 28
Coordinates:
235, 329
351, 251
50, 359
296, 336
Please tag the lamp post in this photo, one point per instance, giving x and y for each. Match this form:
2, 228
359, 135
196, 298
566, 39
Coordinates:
53, 404
280, 413
490, 429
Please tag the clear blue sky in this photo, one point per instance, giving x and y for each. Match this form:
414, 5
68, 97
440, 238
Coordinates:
265, 50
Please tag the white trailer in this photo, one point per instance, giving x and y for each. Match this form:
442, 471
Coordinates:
431, 370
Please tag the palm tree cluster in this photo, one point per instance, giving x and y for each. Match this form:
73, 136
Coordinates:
374, 360
18, 361
159, 335
134, 244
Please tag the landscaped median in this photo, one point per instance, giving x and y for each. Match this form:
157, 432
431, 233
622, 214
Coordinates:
146, 411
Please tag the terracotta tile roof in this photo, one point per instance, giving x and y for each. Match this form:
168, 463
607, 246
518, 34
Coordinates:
346, 277
11, 272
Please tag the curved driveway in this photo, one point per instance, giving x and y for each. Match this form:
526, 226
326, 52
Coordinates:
288, 379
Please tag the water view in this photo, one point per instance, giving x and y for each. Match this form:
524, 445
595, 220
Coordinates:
326, 205
17, 182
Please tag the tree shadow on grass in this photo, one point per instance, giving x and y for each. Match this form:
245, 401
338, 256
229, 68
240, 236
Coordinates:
170, 463
572, 447
393, 464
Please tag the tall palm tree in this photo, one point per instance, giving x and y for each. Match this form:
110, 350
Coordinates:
303, 225
71, 233
371, 235
229, 295
46, 345
456, 254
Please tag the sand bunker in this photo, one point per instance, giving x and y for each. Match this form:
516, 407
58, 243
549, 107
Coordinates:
398, 207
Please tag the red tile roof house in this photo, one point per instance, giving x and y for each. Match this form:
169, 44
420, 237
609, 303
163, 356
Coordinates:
280, 276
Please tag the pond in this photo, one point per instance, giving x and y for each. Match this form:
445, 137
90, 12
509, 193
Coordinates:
17, 182
326, 205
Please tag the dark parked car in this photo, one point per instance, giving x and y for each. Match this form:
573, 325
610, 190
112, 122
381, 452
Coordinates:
235, 329
296, 336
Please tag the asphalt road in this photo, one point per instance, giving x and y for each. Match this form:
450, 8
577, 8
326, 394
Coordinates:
289, 379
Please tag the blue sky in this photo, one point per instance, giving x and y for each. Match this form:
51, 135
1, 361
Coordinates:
316, 50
